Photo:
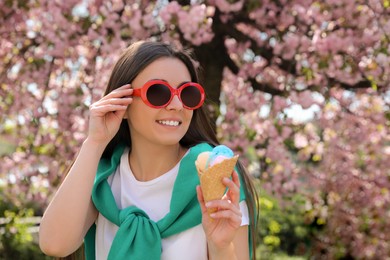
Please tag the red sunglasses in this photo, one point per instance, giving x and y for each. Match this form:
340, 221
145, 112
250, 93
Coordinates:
158, 94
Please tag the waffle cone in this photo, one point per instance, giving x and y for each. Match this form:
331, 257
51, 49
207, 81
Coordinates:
211, 179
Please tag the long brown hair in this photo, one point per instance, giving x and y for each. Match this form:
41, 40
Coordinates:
133, 60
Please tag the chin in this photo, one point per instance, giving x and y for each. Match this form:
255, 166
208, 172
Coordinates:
171, 140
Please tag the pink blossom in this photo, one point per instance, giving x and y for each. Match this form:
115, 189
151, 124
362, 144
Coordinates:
276, 56
300, 141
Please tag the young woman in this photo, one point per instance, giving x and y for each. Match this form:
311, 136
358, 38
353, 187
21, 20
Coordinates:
132, 192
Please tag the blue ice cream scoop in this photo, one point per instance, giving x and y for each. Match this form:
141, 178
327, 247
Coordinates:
222, 150
219, 153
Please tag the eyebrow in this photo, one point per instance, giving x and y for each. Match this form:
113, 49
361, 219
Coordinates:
158, 79
180, 84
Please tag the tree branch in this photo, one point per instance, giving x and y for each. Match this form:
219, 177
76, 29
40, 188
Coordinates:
267, 88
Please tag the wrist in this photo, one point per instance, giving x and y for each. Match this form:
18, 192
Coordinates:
226, 252
94, 146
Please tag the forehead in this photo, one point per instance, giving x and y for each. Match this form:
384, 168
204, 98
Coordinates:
169, 69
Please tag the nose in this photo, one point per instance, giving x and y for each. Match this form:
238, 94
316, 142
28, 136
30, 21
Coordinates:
175, 104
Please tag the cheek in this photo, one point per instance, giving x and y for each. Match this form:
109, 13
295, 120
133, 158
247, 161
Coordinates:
188, 114
137, 113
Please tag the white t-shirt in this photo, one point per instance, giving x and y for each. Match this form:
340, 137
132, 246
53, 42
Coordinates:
154, 198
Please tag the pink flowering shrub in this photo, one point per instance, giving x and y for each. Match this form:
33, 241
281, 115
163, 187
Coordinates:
299, 88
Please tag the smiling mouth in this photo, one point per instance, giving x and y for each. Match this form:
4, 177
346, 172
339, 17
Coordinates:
169, 122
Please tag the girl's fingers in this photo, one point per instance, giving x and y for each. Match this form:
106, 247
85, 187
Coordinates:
106, 105
226, 210
222, 205
236, 179
117, 100
233, 188
228, 207
123, 91
120, 113
229, 214
102, 110
113, 101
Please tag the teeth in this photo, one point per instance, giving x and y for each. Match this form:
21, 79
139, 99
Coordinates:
169, 122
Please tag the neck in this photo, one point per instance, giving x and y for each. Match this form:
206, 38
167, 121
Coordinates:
148, 162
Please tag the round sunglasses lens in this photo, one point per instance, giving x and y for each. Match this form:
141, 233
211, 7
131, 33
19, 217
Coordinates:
158, 95
191, 96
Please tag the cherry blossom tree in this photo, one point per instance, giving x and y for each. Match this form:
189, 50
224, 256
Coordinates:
265, 65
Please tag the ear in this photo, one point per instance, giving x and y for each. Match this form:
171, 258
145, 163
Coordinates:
125, 114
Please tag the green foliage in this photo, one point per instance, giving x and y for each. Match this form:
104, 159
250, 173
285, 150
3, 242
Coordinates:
386, 3
264, 254
283, 231
6, 147
16, 241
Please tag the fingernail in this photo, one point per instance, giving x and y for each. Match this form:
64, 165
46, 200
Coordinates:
208, 204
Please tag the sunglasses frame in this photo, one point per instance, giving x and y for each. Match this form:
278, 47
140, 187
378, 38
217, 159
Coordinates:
142, 92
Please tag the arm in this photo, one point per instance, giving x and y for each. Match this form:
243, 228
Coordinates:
71, 212
226, 238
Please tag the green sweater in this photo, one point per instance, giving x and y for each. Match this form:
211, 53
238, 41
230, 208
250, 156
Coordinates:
138, 236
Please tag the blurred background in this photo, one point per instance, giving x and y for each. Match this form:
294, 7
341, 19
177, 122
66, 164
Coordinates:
299, 88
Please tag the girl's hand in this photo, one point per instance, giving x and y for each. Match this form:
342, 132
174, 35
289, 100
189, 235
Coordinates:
106, 114
221, 226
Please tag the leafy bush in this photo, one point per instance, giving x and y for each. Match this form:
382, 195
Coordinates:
283, 230
17, 241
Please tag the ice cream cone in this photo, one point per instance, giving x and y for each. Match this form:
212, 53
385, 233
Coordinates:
211, 179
